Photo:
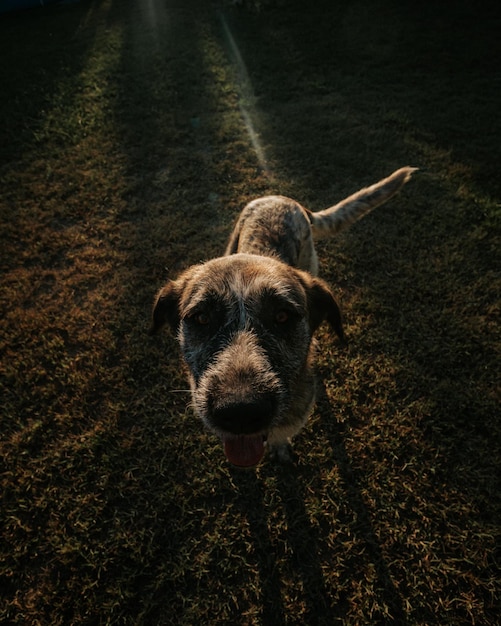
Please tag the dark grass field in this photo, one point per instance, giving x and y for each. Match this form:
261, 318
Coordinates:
131, 135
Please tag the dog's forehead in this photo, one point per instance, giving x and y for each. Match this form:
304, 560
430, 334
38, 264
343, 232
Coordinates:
242, 277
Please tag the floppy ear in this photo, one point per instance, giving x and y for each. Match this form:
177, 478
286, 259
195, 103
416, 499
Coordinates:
166, 308
323, 307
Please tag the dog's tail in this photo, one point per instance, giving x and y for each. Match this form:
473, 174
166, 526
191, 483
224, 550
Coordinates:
338, 217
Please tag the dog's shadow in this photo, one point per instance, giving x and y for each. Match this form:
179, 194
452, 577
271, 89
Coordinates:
302, 545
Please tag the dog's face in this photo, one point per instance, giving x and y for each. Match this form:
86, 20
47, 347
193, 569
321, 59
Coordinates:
245, 325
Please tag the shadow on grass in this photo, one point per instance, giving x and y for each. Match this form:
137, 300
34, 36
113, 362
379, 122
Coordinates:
116, 505
321, 603
389, 595
178, 77
45, 72
353, 82
251, 496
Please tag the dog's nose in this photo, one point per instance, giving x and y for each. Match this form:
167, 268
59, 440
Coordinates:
244, 417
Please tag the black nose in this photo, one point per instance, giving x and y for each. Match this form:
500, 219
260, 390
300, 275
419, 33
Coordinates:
244, 417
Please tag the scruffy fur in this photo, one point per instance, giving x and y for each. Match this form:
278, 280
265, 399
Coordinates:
245, 321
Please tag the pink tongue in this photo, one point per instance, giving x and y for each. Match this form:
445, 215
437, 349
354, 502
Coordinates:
244, 450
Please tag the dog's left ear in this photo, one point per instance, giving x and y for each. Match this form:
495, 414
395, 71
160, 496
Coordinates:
166, 308
322, 307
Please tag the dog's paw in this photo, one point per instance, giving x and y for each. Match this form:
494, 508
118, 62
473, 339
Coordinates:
281, 453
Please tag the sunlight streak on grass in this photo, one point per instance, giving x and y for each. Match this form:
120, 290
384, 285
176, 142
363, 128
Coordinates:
154, 12
247, 98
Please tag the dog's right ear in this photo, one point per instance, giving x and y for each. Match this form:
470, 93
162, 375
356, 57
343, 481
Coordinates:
323, 307
166, 308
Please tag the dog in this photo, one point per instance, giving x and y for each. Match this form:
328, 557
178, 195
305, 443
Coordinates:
245, 321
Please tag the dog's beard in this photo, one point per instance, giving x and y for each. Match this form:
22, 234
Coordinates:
246, 400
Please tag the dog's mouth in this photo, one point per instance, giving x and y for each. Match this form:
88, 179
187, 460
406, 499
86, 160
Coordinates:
244, 450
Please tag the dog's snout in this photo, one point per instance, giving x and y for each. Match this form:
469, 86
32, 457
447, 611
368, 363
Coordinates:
243, 416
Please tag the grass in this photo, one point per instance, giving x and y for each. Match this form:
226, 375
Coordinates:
131, 136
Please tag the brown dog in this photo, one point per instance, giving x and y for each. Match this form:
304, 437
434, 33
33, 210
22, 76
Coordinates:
245, 321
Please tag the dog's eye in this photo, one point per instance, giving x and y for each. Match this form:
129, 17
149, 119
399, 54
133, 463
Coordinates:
198, 318
282, 316
201, 318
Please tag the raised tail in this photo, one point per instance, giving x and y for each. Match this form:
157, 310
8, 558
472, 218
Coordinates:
338, 217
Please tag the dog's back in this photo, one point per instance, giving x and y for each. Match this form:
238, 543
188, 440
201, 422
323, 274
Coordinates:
275, 226
280, 227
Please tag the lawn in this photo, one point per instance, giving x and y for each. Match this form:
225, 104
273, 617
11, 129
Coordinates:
132, 134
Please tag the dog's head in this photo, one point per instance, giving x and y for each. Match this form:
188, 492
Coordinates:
245, 325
